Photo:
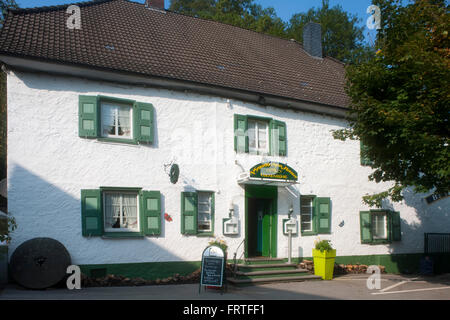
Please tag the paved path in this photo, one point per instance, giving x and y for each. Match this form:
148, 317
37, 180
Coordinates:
348, 287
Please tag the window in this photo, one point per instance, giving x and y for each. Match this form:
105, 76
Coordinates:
259, 135
364, 159
120, 212
315, 215
197, 212
115, 119
306, 214
380, 226
204, 223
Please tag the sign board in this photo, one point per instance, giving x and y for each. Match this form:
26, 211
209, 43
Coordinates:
213, 262
436, 196
273, 170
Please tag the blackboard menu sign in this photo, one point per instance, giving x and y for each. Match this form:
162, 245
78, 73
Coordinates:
212, 267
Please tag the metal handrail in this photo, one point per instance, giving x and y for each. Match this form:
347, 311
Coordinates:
235, 255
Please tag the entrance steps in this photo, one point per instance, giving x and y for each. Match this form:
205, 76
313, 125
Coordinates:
268, 270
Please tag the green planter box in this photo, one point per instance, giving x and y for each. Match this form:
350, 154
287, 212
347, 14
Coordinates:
324, 263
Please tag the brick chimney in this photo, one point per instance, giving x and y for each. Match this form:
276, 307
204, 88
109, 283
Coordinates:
157, 4
312, 39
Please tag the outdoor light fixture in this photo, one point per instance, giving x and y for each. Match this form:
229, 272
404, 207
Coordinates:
291, 210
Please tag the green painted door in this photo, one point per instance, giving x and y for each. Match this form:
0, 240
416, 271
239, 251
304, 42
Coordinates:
264, 227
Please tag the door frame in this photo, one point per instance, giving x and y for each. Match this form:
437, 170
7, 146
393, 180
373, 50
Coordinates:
263, 192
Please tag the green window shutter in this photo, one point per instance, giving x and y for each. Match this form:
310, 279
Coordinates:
277, 136
322, 206
189, 212
150, 206
395, 233
365, 161
240, 133
365, 220
88, 116
91, 213
143, 122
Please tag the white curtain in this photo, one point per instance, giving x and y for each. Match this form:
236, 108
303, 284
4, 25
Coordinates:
112, 210
129, 207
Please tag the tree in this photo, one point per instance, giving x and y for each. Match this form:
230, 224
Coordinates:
341, 37
4, 6
400, 100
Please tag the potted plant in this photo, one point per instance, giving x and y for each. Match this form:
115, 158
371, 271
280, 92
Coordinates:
324, 256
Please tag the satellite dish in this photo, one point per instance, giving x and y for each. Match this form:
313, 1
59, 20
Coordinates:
174, 173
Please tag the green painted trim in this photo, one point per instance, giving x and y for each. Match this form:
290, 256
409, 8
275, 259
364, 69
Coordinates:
137, 189
114, 99
395, 263
309, 233
145, 270
263, 192
206, 234
258, 118
120, 235
126, 141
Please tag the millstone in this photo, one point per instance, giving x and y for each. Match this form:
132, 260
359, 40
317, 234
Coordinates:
39, 263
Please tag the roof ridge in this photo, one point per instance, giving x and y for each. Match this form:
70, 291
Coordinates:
59, 7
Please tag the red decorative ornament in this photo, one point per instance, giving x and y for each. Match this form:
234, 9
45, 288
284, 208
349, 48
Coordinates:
167, 217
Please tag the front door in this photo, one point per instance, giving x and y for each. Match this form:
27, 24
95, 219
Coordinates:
261, 222
263, 212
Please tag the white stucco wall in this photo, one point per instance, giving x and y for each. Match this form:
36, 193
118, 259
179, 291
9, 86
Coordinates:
48, 165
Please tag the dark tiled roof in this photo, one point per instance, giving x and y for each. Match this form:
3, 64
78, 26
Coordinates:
125, 36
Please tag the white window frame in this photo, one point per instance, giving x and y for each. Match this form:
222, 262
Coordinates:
311, 200
208, 212
374, 226
138, 227
116, 135
259, 150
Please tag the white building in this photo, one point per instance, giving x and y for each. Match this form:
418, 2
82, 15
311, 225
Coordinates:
97, 116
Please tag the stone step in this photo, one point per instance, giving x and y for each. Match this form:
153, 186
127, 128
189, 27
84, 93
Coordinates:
263, 260
271, 272
273, 265
255, 281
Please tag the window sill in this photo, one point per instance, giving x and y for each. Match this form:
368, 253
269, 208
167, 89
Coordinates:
309, 233
122, 235
205, 235
117, 140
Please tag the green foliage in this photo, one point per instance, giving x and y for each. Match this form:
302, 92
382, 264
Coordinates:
4, 6
7, 225
220, 243
342, 37
323, 245
400, 102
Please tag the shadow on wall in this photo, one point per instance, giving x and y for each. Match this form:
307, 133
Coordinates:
42, 209
430, 218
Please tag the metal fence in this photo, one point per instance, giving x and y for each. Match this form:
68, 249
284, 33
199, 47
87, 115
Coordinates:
437, 243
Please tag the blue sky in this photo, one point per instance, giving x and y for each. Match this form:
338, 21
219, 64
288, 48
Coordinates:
284, 8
